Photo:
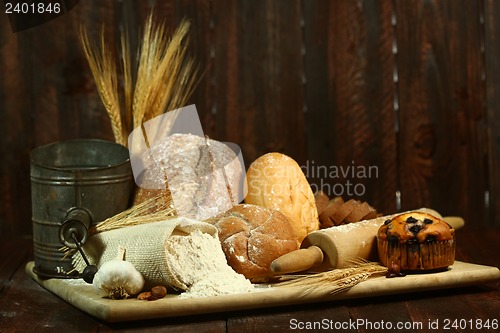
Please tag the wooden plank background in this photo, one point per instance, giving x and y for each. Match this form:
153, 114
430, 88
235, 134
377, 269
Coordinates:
410, 88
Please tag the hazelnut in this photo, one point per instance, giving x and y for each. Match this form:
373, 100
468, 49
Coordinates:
144, 295
155, 293
158, 292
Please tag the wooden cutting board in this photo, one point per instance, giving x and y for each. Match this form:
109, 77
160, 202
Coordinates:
86, 298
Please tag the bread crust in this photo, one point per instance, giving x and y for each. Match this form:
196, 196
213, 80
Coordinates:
276, 181
252, 237
322, 201
204, 175
338, 212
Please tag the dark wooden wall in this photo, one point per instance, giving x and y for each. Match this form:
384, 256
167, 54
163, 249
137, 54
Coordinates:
410, 87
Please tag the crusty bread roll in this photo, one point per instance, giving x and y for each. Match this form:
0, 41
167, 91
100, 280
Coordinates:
276, 181
205, 177
252, 237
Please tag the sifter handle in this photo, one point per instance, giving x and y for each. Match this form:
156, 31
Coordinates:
74, 228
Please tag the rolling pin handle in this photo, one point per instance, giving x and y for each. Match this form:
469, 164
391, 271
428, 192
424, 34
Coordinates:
456, 222
297, 261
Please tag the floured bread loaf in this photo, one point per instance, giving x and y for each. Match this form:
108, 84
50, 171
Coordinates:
204, 176
276, 181
252, 237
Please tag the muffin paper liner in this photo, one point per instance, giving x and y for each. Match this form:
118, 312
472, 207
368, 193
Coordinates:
417, 256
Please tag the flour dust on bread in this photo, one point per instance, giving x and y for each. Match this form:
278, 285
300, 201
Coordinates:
276, 181
204, 176
252, 237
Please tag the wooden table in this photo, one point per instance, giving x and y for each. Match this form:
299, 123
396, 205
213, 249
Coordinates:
27, 307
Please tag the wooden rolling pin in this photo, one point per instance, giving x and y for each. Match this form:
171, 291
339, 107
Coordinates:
340, 246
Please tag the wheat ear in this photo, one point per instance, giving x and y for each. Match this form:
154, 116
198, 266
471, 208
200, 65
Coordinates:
335, 280
103, 70
165, 76
157, 208
127, 83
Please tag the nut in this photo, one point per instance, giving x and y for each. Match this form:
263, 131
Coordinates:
155, 293
158, 292
144, 296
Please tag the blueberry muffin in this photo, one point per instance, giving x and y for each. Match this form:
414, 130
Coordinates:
415, 241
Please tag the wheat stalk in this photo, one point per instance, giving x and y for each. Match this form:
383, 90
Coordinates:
171, 64
168, 72
335, 280
128, 83
165, 76
143, 76
104, 72
157, 208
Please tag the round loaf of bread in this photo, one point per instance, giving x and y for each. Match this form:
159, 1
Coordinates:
252, 237
203, 176
276, 181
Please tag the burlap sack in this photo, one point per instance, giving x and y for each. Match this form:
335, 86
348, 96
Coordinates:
145, 248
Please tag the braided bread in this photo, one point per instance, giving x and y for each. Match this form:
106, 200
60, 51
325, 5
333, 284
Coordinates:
252, 237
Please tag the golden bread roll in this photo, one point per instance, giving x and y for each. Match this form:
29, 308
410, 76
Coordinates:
276, 181
252, 237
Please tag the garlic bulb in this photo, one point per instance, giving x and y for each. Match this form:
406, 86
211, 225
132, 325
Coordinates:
119, 278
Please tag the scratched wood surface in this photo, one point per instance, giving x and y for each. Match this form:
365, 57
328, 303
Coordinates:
407, 87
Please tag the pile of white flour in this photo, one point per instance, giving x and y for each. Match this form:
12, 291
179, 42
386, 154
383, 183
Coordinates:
198, 261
